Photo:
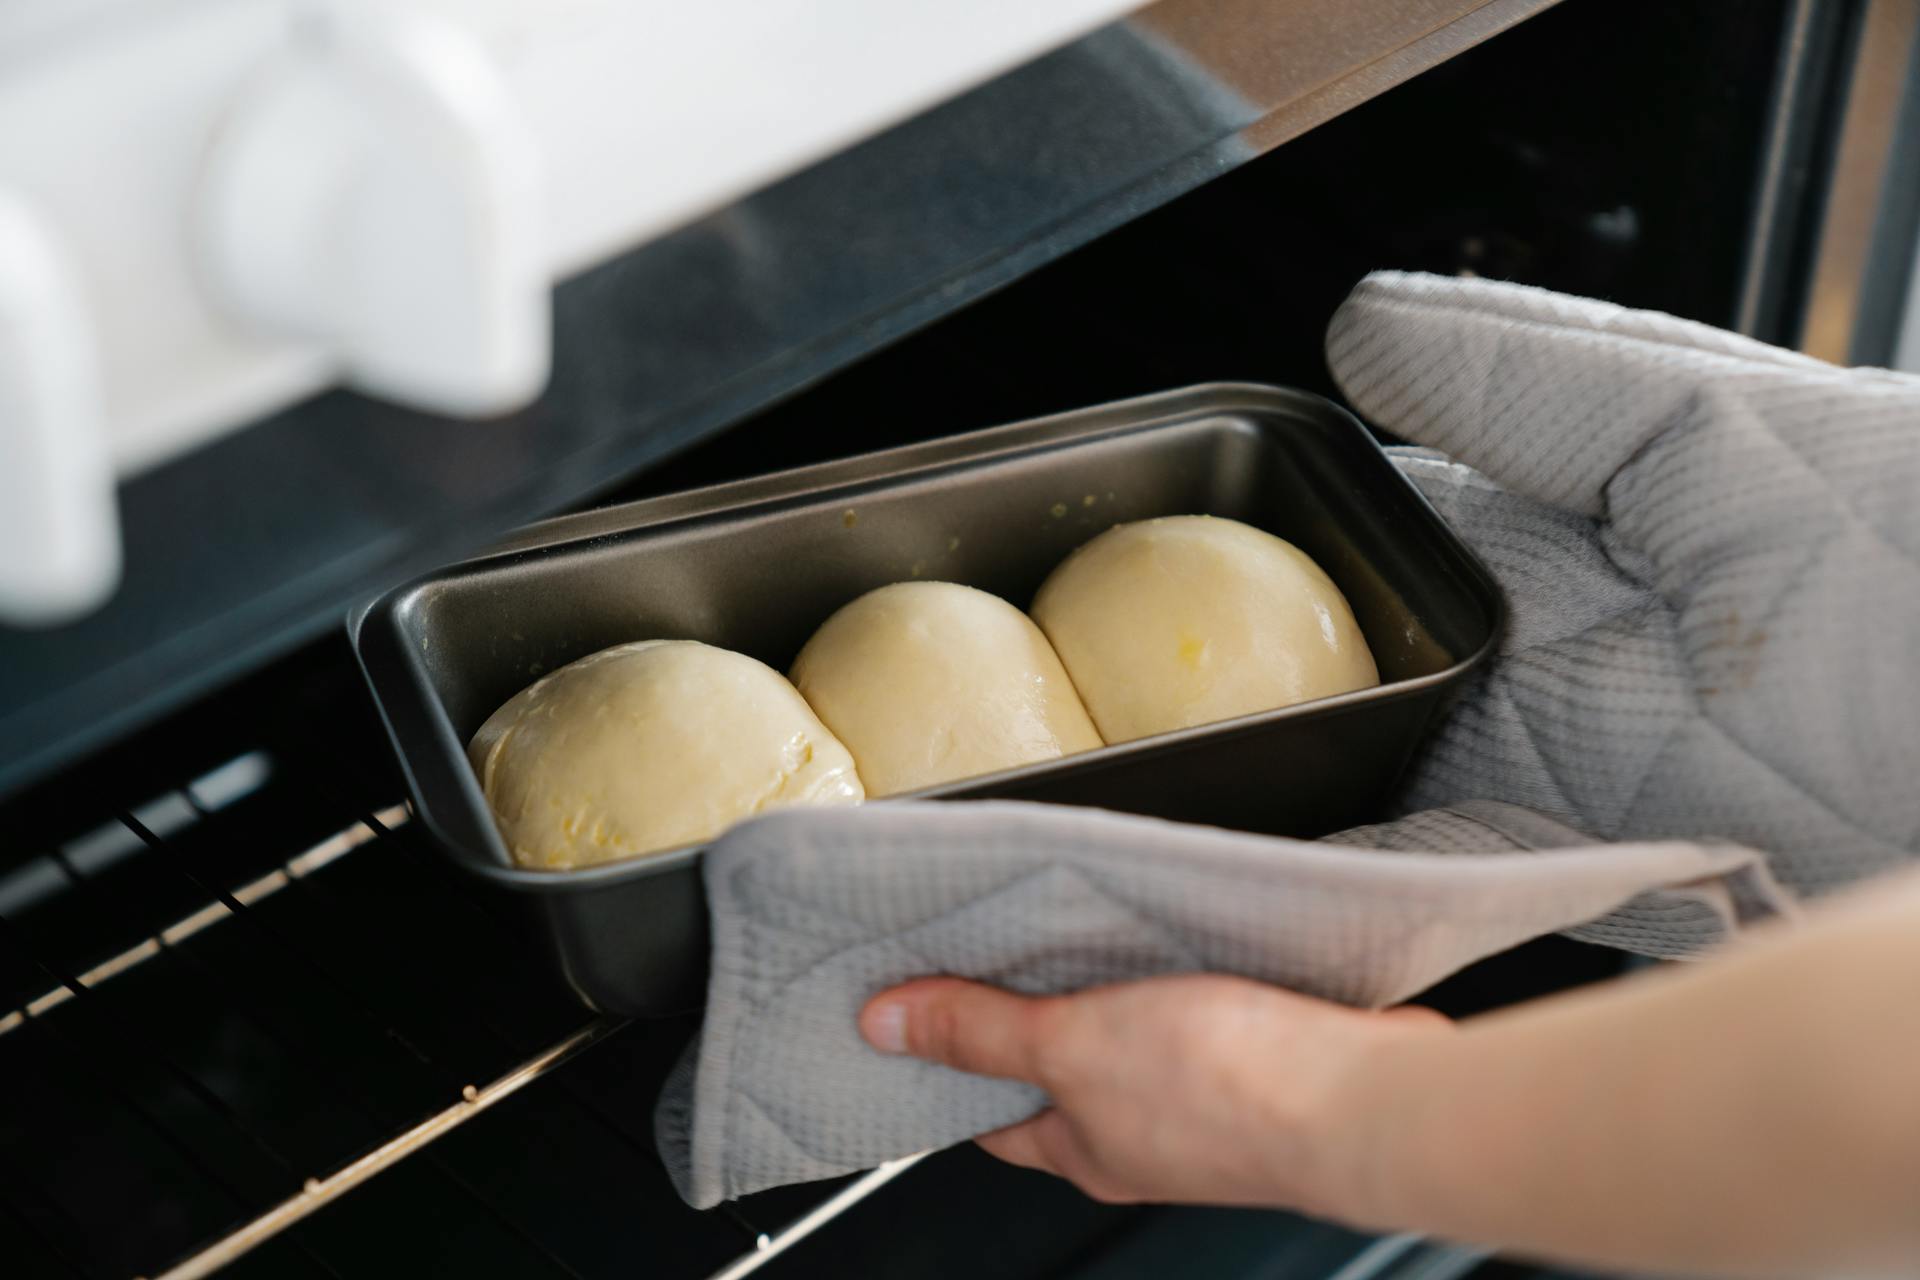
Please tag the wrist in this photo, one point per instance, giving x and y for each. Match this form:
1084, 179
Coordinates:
1372, 1130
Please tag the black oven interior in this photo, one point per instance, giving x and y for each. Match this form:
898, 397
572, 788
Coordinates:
230, 966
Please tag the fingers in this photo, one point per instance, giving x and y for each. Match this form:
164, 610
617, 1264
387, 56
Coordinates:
964, 1025
1031, 1144
1547, 394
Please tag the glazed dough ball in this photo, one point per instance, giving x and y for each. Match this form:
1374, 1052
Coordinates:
650, 746
1192, 619
927, 682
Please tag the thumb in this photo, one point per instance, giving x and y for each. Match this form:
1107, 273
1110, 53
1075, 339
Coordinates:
964, 1025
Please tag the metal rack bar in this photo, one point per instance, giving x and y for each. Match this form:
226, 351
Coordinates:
304, 864
60, 1045
238, 908
185, 961
772, 1246
381, 1023
409, 838
165, 942
410, 842
319, 1192
1411, 1257
183, 1078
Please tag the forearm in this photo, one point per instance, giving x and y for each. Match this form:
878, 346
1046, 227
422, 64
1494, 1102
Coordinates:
1756, 1113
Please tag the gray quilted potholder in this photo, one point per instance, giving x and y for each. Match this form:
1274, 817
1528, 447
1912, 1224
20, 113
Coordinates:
815, 911
1711, 553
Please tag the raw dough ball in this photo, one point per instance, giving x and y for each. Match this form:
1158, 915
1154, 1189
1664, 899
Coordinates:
1191, 619
649, 746
927, 682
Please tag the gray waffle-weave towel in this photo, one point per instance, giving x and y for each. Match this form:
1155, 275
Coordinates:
813, 912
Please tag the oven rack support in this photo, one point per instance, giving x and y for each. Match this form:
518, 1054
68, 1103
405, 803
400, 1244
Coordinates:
319, 1191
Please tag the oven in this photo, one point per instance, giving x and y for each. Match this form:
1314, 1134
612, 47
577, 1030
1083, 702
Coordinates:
252, 1022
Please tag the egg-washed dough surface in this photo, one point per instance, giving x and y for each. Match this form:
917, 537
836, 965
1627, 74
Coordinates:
1186, 620
649, 746
929, 682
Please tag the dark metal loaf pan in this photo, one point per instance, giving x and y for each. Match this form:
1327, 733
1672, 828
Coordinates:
757, 565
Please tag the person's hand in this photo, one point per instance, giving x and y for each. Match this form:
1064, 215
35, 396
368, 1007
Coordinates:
1711, 551
1194, 1088
1751, 1116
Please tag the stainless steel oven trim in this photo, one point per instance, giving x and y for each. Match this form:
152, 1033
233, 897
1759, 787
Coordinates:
1859, 183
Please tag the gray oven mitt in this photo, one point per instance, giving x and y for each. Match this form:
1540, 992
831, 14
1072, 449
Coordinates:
1711, 553
816, 910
